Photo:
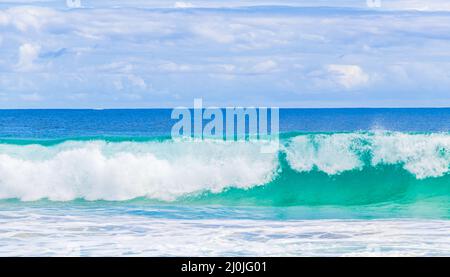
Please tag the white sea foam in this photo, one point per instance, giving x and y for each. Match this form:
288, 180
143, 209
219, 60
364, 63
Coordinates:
423, 155
329, 153
86, 232
126, 170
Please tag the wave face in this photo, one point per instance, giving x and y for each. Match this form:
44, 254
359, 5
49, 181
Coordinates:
309, 169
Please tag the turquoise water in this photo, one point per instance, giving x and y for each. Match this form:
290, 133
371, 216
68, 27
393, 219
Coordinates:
67, 175
381, 169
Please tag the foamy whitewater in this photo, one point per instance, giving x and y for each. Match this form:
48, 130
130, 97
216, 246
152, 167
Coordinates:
167, 169
92, 189
104, 233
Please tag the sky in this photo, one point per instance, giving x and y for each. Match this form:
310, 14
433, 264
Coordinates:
148, 54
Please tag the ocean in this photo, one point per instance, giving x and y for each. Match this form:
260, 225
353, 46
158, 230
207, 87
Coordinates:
344, 182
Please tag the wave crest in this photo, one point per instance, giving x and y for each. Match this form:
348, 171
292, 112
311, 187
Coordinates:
423, 155
167, 169
121, 171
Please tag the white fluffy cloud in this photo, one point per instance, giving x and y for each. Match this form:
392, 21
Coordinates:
73, 3
28, 53
348, 76
26, 18
183, 5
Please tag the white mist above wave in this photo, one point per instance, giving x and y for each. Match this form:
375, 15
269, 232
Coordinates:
166, 170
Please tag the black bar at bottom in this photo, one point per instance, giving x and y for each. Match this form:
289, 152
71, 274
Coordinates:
220, 266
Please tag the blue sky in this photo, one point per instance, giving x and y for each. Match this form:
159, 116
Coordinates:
138, 54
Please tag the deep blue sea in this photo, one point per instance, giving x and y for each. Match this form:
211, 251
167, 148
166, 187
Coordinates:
113, 182
63, 124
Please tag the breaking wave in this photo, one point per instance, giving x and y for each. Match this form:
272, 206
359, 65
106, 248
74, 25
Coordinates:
328, 168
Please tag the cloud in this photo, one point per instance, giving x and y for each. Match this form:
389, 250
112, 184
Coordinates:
137, 81
26, 18
226, 68
348, 76
183, 5
217, 32
419, 5
265, 66
129, 82
28, 53
174, 67
73, 3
